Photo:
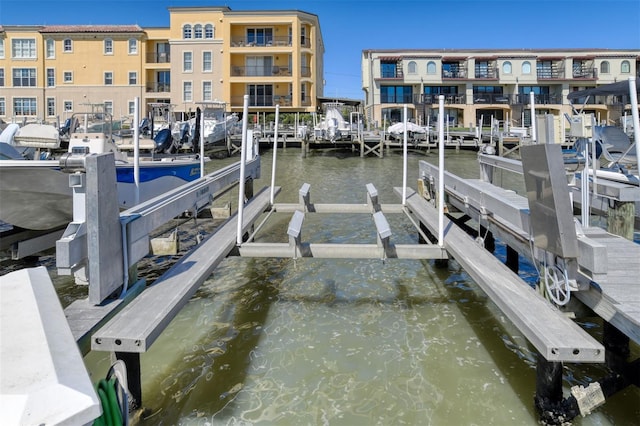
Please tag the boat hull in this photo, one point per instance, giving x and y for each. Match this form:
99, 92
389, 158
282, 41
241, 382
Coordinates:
36, 194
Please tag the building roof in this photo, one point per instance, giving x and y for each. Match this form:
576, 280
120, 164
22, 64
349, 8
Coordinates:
91, 29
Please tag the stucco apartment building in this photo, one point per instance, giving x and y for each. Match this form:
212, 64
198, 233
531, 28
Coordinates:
484, 83
205, 54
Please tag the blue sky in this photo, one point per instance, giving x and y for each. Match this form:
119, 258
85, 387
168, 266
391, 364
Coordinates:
349, 26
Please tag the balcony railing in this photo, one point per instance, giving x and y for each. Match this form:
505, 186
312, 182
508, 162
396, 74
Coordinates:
260, 71
263, 101
457, 73
549, 74
400, 99
492, 98
260, 41
585, 73
158, 57
546, 99
491, 74
456, 99
158, 87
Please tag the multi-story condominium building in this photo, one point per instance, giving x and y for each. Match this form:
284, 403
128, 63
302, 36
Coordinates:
480, 84
205, 54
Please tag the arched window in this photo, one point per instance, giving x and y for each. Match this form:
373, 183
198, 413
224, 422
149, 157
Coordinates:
526, 67
506, 68
625, 67
208, 31
186, 31
197, 31
412, 67
604, 67
431, 67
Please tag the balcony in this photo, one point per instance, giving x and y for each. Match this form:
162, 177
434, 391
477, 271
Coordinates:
453, 73
263, 101
260, 71
492, 98
585, 73
158, 57
260, 41
449, 98
550, 74
545, 99
158, 87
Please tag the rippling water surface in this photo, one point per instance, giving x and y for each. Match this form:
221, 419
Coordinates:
344, 342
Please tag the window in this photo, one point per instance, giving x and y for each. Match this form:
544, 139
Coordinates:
544, 69
23, 48
67, 45
625, 67
108, 46
51, 107
388, 69
259, 65
68, 106
108, 107
187, 61
482, 69
133, 77
412, 67
303, 36
186, 31
132, 107
208, 31
24, 77
1, 48
133, 46
259, 36
431, 67
206, 62
506, 68
605, 67
197, 31
51, 77
3, 108
108, 78
303, 92
68, 77
260, 94
187, 91
526, 67
50, 48
25, 106
206, 91
1, 77
396, 94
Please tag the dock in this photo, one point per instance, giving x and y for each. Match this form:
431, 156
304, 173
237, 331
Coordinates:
129, 323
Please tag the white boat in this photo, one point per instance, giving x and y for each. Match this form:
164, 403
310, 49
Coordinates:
216, 124
36, 195
333, 127
397, 130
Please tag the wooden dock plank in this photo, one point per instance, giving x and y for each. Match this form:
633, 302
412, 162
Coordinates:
137, 326
554, 335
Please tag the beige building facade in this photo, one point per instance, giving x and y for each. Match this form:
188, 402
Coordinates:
206, 54
479, 85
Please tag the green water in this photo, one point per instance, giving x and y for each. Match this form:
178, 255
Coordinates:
344, 342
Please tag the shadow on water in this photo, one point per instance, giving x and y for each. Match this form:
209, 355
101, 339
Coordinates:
213, 368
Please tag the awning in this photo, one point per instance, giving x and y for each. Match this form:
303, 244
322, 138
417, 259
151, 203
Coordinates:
390, 58
619, 88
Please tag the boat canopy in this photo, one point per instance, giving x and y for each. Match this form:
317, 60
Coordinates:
619, 88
